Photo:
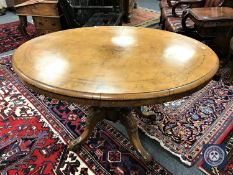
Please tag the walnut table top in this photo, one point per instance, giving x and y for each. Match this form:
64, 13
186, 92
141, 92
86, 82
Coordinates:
120, 65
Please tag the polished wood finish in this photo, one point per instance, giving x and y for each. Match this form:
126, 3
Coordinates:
125, 64
212, 13
171, 16
125, 68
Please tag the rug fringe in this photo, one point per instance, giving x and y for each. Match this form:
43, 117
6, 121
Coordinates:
6, 55
165, 147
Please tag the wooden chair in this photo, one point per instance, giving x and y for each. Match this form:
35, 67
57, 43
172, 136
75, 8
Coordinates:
173, 23
212, 23
166, 10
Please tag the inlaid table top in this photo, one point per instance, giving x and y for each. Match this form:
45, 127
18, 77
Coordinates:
115, 66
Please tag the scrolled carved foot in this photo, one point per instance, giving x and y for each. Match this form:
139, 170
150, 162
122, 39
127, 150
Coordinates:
73, 145
132, 129
147, 157
137, 144
95, 115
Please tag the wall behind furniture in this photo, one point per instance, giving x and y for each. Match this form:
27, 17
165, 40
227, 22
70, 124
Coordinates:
10, 3
2, 4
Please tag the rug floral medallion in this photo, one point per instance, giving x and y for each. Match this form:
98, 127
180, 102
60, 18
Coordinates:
184, 125
35, 131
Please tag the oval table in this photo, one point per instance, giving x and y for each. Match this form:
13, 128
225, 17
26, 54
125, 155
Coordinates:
115, 70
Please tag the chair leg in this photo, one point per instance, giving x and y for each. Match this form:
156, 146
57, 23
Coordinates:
23, 25
162, 22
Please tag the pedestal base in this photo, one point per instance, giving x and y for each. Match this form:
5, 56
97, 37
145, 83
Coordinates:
124, 115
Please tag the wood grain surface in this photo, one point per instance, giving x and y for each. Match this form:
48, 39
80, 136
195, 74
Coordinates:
115, 66
213, 13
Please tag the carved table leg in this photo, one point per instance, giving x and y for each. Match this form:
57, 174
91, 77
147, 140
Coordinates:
96, 115
124, 115
132, 129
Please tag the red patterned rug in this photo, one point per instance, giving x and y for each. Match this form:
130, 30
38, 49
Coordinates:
10, 36
35, 130
142, 17
228, 169
184, 125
